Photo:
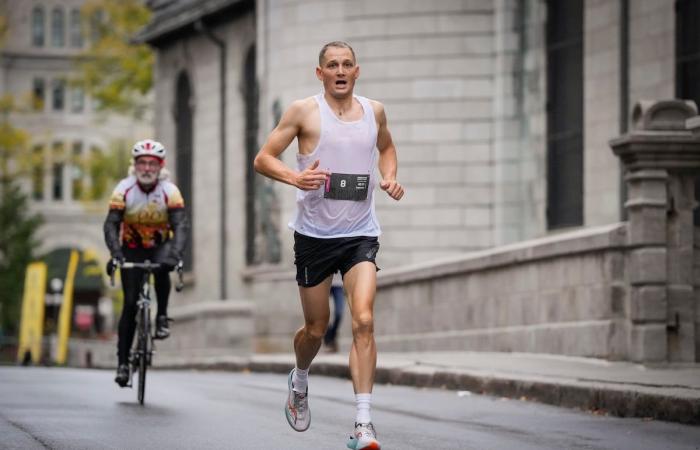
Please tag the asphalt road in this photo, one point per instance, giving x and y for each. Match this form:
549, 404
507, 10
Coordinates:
83, 409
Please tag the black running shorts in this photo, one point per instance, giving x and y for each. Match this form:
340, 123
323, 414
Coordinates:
317, 259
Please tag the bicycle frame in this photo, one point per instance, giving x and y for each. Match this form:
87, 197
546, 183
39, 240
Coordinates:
143, 348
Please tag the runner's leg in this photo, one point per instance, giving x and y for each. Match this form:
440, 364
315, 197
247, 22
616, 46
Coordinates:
308, 339
361, 285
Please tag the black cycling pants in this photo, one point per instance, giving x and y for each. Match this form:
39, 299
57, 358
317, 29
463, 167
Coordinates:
132, 281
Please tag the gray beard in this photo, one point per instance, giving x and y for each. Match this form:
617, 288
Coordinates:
147, 180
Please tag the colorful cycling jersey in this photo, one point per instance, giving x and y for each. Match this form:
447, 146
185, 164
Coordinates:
145, 223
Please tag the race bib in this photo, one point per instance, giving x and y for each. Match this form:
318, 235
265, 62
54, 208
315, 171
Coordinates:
347, 186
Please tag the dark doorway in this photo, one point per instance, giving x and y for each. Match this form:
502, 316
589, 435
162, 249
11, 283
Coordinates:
250, 92
183, 144
688, 63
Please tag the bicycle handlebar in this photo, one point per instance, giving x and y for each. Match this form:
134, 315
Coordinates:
144, 265
148, 265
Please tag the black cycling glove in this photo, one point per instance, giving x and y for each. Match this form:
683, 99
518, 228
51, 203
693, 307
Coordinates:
115, 261
170, 262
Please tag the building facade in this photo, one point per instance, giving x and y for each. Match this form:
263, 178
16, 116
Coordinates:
501, 111
38, 56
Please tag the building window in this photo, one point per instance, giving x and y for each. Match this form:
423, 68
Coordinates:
38, 172
38, 94
58, 27
57, 161
58, 94
76, 32
77, 175
77, 99
38, 26
564, 113
688, 63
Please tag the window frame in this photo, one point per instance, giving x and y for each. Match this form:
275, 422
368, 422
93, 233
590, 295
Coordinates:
75, 28
58, 27
38, 94
58, 94
38, 26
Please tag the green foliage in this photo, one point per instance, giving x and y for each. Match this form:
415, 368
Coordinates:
105, 168
114, 71
17, 244
17, 225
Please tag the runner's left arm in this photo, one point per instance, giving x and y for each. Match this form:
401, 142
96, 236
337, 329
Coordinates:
388, 163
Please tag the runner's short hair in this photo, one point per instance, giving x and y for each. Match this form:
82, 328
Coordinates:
338, 44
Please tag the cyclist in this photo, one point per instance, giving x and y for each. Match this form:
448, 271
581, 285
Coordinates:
342, 139
146, 221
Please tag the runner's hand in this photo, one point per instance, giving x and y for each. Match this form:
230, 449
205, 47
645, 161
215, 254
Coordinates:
393, 188
311, 178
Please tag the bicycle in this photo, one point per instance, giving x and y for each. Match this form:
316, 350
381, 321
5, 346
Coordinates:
142, 354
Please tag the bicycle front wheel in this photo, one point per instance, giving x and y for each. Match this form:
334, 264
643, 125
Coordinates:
143, 352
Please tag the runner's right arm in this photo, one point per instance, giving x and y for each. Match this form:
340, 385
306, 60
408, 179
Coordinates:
267, 162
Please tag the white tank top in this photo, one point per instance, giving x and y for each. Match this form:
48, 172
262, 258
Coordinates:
343, 147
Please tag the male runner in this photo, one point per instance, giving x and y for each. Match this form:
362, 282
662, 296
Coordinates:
335, 228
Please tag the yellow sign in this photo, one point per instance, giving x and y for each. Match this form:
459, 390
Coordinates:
64, 318
31, 328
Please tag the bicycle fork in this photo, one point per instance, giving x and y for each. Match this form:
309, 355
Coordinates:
136, 354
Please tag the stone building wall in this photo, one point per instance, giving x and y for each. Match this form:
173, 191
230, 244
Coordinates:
432, 66
68, 220
199, 58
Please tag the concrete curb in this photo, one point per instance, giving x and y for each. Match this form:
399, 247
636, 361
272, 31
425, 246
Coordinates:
618, 399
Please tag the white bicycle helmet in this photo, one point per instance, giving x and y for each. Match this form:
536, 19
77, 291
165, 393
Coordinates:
148, 147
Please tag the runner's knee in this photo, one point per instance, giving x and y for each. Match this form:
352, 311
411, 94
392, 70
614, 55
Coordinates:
316, 329
363, 323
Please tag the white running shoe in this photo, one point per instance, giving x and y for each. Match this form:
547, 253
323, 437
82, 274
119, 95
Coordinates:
364, 438
297, 408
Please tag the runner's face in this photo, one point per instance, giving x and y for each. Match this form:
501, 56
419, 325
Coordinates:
147, 169
338, 72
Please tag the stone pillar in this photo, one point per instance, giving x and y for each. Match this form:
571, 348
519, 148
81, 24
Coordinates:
661, 158
646, 208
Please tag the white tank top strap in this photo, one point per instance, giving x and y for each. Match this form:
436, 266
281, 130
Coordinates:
343, 148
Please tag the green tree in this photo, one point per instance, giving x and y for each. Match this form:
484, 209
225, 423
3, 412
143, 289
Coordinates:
113, 70
17, 225
104, 167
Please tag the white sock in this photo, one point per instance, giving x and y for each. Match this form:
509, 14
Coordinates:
300, 380
363, 402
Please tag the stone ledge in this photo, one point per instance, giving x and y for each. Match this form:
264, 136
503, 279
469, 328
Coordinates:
589, 240
241, 308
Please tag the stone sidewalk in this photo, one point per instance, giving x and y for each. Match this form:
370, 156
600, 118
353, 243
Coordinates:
665, 392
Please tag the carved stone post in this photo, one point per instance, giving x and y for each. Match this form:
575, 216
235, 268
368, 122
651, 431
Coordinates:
661, 158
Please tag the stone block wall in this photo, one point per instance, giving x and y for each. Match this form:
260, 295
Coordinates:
278, 312
562, 295
432, 66
199, 58
209, 329
199, 331
601, 63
